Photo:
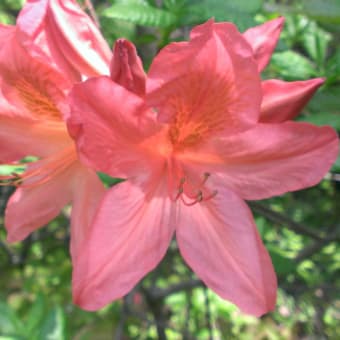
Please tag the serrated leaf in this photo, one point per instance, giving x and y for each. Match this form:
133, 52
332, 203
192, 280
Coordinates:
53, 326
291, 65
327, 11
144, 15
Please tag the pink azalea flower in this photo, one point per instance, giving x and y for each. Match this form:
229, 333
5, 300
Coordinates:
32, 122
281, 100
61, 33
192, 147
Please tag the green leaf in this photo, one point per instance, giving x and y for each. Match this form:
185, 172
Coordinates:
36, 314
336, 165
333, 68
53, 326
108, 180
282, 264
246, 5
292, 65
323, 118
140, 14
220, 11
327, 11
326, 101
9, 322
7, 170
315, 41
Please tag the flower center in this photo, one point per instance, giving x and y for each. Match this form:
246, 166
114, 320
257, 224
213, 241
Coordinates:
188, 189
201, 113
191, 196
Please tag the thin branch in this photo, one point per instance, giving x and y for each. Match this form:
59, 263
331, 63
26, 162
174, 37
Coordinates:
186, 285
124, 311
156, 308
316, 246
333, 177
8, 251
284, 220
208, 313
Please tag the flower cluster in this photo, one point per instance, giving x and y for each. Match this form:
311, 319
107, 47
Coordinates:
192, 139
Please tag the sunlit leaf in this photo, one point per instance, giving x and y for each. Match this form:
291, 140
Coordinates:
141, 14
35, 315
316, 42
292, 66
53, 326
10, 324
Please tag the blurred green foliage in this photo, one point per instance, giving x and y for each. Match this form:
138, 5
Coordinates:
301, 230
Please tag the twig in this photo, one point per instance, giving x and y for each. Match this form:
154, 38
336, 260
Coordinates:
186, 332
316, 246
186, 285
207, 313
119, 333
156, 307
8, 251
284, 220
333, 177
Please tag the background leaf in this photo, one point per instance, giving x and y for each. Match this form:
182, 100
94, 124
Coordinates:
141, 14
327, 11
53, 326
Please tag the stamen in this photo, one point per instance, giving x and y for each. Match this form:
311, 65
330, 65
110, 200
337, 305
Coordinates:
43, 171
14, 180
180, 190
202, 194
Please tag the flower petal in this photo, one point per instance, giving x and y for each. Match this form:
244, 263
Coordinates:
30, 85
273, 159
88, 191
20, 137
70, 38
31, 207
130, 235
127, 68
34, 34
263, 40
78, 38
285, 100
212, 75
6, 33
219, 241
108, 123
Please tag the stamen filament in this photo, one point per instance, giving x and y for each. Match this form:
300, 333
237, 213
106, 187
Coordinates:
44, 170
